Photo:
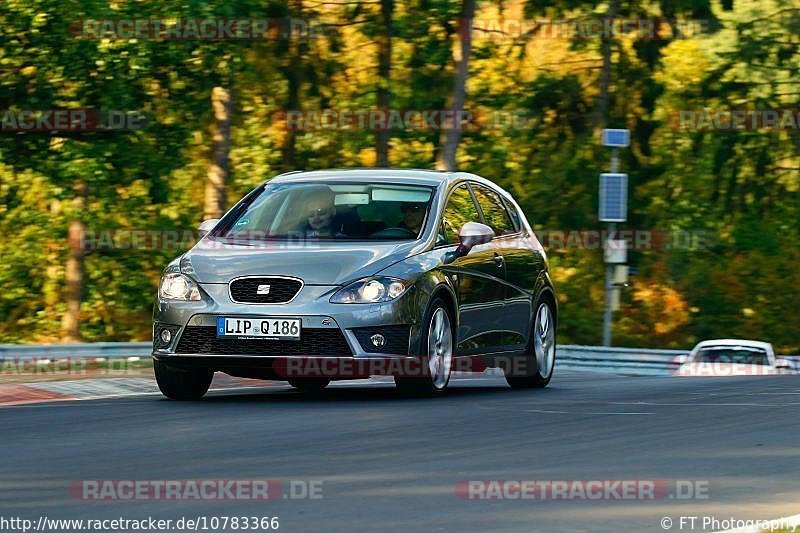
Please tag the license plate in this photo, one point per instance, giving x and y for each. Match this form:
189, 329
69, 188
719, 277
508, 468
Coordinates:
259, 328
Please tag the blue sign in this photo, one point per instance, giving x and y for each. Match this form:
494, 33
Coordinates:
616, 138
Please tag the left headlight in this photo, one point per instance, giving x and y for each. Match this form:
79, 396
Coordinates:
370, 290
176, 286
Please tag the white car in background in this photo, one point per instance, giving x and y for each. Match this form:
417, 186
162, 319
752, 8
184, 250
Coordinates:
733, 357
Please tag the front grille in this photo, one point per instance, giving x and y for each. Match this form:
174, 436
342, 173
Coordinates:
313, 341
279, 290
396, 339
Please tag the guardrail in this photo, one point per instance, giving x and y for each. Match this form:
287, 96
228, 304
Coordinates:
632, 361
63, 351
629, 361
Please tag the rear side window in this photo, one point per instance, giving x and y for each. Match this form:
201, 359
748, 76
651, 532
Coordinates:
494, 211
514, 214
460, 209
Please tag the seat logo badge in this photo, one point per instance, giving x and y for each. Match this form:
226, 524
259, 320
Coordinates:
262, 289
378, 340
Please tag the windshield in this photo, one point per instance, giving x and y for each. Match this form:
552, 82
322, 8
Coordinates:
361, 211
732, 354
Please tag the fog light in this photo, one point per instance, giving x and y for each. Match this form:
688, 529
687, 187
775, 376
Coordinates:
166, 336
378, 340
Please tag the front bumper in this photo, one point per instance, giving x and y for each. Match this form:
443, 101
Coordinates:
328, 330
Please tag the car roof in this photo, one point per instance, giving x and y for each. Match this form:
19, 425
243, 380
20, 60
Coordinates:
734, 342
421, 177
397, 175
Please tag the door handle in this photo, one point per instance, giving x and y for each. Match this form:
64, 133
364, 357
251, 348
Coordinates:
498, 260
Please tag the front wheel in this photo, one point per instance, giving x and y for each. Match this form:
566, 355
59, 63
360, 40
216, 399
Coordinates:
182, 384
437, 359
538, 366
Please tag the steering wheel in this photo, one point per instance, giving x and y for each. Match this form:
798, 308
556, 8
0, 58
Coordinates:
394, 232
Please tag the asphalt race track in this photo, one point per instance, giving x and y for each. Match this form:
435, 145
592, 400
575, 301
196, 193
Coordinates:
392, 463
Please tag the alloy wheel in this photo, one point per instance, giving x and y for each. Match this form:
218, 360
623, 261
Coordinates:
544, 340
440, 348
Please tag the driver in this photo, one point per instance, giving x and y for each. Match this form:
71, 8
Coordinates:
413, 214
320, 211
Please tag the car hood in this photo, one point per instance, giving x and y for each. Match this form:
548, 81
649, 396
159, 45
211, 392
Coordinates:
316, 264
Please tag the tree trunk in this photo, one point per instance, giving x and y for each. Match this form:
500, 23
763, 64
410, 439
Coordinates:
384, 78
54, 273
215, 197
461, 54
74, 270
294, 79
601, 106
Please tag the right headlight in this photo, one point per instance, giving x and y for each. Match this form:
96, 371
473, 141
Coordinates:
176, 286
370, 290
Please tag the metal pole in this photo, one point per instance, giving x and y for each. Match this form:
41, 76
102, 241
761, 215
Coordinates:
609, 282
607, 313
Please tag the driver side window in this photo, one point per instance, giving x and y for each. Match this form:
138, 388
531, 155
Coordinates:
460, 209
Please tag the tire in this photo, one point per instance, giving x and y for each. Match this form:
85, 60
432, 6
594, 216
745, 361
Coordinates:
182, 384
436, 367
309, 385
540, 358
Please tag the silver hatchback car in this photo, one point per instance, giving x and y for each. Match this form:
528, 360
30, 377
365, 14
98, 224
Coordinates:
344, 274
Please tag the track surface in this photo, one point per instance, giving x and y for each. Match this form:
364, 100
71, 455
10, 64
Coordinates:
391, 463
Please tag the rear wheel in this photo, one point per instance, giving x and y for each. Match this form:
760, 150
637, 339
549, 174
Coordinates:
182, 384
309, 385
541, 358
437, 359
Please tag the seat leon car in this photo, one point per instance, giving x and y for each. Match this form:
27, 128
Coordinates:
345, 274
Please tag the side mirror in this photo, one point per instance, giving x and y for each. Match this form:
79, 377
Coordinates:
470, 235
682, 359
473, 234
207, 225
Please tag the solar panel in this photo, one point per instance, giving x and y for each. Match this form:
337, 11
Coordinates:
613, 197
